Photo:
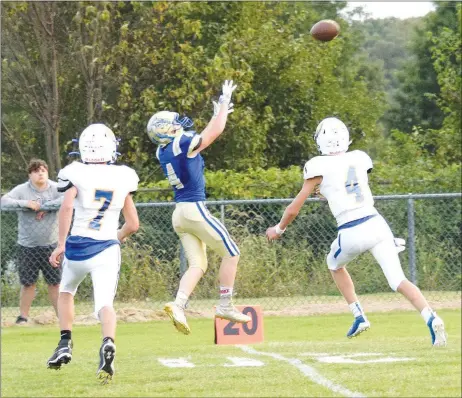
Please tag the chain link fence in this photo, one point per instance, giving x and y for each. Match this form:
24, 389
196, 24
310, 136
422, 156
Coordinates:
285, 277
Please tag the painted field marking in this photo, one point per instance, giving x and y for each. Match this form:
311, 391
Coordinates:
307, 370
235, 362
176, 362
340, 359
243, 362
348, 358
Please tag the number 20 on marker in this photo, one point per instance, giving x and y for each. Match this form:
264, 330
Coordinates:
227, 332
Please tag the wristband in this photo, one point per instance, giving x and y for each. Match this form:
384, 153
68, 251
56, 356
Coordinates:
279, 231
224, 99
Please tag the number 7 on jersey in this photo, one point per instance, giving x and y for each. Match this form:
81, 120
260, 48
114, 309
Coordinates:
106, 197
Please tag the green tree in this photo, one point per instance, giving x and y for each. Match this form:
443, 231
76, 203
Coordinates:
414, 103
31, 68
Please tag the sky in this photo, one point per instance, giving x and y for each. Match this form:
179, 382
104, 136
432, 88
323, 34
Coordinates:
398, 9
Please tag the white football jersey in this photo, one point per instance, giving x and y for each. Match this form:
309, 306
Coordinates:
102, 190
345, 184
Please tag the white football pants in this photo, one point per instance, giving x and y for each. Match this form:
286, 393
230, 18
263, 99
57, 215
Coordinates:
373, 235
104, 269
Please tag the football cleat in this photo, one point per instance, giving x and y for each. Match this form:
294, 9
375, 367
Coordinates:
230, 313
20, 320
360, 324
106, 362
61, 356
437, 332
176, 314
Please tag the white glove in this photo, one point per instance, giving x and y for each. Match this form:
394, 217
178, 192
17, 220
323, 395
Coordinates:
227, 89
400, 244
216, 108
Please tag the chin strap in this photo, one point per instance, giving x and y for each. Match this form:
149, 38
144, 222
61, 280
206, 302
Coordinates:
75, 144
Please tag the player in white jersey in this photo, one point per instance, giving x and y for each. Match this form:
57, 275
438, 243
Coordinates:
98, 191
343, 180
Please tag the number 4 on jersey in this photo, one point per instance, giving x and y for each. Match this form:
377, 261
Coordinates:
173, 178
352, 184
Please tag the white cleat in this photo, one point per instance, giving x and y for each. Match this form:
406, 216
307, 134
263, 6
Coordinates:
437, 332
360, 324
176, 314
230, 313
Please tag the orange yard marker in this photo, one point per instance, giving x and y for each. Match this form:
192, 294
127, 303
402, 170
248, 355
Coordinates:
227, 332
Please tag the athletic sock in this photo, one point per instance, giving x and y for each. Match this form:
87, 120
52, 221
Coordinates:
66, 335
226, 293
427, 313
181, 299
356, 309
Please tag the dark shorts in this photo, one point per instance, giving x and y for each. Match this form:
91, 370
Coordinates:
33, 259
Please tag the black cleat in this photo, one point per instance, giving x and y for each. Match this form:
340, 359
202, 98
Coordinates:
20, 320
62, 355
106, 362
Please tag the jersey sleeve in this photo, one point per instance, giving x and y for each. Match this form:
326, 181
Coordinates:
366, 160
186, 143
132, 180
67, 178
312, 168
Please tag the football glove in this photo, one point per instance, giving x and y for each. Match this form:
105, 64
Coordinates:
216, 108
227, 90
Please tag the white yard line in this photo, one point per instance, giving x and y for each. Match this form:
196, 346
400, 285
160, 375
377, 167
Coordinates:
307, 370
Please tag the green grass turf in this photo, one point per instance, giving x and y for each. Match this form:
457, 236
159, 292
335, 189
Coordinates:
432, 372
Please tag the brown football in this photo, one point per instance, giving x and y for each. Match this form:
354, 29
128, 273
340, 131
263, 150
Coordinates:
325, 30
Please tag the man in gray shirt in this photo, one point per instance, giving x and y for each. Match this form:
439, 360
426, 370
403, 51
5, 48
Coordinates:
37, 234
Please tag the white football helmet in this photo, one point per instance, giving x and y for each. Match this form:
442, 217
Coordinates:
332, 136
97, 144
164, 126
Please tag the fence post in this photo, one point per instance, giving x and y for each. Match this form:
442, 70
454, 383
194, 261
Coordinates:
183, 261
222, 214
411, 235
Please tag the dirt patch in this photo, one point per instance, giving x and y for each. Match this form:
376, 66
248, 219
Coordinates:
369, 306
133, 314
123, 315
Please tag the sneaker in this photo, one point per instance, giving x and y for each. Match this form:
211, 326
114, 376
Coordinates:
436, 326
230, 313
360, 324
106, 361
176, 314
20, 320
61, 356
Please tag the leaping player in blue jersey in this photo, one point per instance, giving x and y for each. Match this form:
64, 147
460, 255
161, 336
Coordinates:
179, 153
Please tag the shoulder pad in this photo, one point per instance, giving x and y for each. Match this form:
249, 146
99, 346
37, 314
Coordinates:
312, 168
67, 177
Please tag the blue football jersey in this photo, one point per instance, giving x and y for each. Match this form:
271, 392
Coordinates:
185, 174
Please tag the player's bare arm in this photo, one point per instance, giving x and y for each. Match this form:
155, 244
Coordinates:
64, 224
218, 122
291, 211
132, 222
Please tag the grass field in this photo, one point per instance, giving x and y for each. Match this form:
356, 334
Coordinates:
301, 356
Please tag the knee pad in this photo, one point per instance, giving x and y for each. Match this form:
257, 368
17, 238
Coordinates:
100, 306
229, 255
332, 263
67, 289
395, 282
198, 262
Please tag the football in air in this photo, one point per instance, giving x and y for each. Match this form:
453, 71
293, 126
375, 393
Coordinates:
325, 30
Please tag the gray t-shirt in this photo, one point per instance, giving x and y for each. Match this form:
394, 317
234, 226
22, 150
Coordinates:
34, 230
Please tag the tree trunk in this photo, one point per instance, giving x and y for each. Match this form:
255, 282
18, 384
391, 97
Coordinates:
55, 94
